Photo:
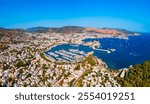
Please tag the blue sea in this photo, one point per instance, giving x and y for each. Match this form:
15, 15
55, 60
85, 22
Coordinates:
133, 51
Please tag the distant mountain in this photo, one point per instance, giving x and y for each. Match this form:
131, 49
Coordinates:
1, 28
79, 29
6, 30
65, 29
73, 29
7, 35
69, 29
125, 31
38, 29
108, 31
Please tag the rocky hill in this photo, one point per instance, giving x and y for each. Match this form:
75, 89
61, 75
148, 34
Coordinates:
78, 29
8, 34
65, 29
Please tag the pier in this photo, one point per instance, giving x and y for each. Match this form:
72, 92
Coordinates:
106, 50
63, 55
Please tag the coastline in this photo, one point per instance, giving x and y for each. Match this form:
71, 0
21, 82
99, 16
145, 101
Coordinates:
84, 43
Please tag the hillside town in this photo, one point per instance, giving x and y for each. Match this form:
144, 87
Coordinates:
24, 64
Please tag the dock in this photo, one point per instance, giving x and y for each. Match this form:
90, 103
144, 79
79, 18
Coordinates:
72, 55
105, 50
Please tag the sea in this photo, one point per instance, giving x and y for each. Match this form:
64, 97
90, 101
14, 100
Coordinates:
127, 52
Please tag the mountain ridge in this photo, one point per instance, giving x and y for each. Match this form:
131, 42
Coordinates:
72, 30
77, 29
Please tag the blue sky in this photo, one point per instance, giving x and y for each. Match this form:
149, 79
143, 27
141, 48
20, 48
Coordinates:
127, 14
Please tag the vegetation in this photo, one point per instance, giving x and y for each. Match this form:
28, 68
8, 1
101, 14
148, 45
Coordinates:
137, 76
28, 75
67, 74
78, 83
71, 82
44, 66
21, 63
43, 56
77, 67
90, 60
5, 66
60, 63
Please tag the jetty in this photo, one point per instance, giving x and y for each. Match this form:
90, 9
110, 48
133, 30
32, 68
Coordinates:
105, 50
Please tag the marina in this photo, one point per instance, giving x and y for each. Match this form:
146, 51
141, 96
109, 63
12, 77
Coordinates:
68, 55
117, 53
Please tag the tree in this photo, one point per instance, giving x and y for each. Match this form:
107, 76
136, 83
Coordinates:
138, 76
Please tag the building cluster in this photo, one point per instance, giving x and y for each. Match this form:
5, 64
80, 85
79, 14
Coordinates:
24, 64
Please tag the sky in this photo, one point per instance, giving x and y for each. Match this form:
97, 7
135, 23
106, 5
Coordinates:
125, 14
